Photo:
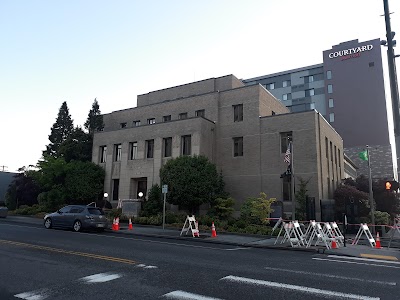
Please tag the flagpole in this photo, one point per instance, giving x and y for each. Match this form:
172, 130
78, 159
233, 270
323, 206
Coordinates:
371, 195
292, 182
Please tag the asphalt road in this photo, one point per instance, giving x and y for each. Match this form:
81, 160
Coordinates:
36, 264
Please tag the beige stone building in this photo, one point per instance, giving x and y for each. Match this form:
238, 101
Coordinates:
243, 129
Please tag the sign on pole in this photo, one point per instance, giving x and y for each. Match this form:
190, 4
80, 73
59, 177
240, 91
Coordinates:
164, 191
165, 188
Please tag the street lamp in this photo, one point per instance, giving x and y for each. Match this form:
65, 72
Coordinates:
140, 195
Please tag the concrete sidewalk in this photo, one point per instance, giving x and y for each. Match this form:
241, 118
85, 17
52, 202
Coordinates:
240, 240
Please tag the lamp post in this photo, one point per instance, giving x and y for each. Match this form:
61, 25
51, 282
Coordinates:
140, 195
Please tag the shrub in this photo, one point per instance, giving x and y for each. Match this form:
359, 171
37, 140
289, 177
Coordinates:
222, 208
154, 205
257, 210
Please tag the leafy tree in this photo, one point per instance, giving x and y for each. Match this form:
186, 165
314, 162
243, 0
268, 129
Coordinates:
301, 198
77, 146
154, 204
94, 120
60, 131
222, 208
345, 194
257, 210
192, 181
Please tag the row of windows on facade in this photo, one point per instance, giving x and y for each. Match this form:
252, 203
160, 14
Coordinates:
167, 118
308, 93
334, 157
307, 79
186, 146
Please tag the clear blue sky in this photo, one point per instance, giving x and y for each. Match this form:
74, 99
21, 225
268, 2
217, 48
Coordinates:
74, 51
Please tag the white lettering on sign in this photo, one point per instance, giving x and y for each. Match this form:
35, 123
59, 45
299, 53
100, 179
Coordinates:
350, 51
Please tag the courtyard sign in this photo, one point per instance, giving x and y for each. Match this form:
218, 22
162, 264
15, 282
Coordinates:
350, 51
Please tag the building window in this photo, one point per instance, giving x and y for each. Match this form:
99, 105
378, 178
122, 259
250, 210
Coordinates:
371, 64
271, 86
335, 156
200, 113
167, 118
326, 148
133, 154
115, 191
287, 96
340, 162
151, 121
182, 116
330, 102
310, 79
312, 105
286, 83
123, 125
238, 146
167, 147
186, 144
103, 154
329, 74
117, 152
330, 145
331, 117
238, 113
310, 92
286, 138
286, 189
150, 149
330, 89
136, 123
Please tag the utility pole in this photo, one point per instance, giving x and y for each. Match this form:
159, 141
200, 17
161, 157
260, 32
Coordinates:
3, 167
392, 78
371, 194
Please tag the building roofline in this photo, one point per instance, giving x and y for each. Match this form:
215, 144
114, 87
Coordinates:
348, 159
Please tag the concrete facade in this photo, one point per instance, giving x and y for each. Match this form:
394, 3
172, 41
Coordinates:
317, 147
348, 90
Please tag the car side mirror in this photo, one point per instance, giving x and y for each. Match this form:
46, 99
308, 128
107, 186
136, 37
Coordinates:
59, 211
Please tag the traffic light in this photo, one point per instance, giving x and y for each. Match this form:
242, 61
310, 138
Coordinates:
391, 185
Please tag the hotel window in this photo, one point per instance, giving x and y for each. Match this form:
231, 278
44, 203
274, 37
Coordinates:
310, 79
312, 105
186, 145
238, 146
115, 193
330, 89
133, 150
136, 123
117, 152
167, 118
331, 117
371, 64
287, 96
200, 113
123, 125
271, 86
330, 102
151, 121
103, 154
310, 92
182, 116
286, 138
238, 113
286, 83
150, 149
329, 74
167, 147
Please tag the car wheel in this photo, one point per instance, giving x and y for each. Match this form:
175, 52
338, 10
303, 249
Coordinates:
77, 226
48, 223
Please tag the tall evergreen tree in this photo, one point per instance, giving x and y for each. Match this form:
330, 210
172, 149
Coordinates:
77, 146
94, 120
60, 131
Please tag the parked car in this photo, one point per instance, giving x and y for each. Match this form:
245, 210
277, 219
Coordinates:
77, 217
3, 212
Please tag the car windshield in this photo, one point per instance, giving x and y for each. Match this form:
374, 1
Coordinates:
95, 211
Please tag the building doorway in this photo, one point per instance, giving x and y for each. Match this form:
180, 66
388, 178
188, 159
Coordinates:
139, 185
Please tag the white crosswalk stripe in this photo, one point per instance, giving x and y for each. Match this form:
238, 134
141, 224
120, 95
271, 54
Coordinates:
33, 295
187, 296
101, 277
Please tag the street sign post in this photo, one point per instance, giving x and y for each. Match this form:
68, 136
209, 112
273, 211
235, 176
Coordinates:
164, 191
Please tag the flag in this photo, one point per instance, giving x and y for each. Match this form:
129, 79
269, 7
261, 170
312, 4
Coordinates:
363, 155
287, 155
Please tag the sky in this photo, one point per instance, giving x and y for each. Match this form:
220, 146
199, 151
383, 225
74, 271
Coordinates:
76, 51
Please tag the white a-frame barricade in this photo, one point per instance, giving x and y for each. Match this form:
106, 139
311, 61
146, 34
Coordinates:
293, 233
364, 229
190, 225
338, 234
333, 234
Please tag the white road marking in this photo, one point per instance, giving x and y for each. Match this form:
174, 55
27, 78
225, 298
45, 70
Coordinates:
332, 276
357, 263
233, 249
34, 295
298, 288
366, 259
187, 296
101, 277
150, 267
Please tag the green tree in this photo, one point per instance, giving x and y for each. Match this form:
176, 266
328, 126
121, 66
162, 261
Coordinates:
257, 210
77, 146
154, 204
222, 208
192, 181
301, 199
346, 194
60, 131
94, 120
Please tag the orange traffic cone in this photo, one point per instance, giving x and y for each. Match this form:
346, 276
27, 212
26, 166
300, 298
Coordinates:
213, 231
197, 233
130, 224
334, 244
117, 224
113, 225
378, 241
